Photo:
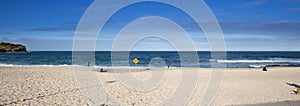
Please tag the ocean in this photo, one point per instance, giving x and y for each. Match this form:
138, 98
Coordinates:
172, 59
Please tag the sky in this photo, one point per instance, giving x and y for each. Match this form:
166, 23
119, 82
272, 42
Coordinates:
247, 25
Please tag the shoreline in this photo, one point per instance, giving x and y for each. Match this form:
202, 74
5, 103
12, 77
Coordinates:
144, 67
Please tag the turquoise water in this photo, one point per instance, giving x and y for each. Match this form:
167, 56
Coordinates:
233, 59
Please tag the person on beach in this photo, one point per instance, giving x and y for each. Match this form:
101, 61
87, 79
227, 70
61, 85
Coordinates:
265, 68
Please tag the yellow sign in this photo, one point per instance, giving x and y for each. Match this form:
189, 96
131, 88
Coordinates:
135, 60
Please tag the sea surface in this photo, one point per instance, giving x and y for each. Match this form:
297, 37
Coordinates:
172, 59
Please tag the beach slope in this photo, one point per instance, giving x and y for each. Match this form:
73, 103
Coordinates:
57, 86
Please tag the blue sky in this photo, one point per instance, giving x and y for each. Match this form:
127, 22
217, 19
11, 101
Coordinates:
248, 25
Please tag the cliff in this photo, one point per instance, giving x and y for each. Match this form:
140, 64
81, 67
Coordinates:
9, 47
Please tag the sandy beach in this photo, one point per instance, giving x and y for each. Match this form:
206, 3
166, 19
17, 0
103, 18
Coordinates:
57, 86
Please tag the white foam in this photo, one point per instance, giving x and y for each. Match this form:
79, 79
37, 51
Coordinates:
212, 60
257, 66
65, 65
258, 61
12, 65
7, 65
244, 61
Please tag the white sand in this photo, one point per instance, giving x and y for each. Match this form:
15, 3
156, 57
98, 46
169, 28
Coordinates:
38, 86
57, 86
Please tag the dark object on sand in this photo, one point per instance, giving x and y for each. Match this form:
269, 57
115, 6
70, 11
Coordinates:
297, 91
110, 81
89, 64
168, 66
102, 70
293, 84
297, 87
103, 104
265, 69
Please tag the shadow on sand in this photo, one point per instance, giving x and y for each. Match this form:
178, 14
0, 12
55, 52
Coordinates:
293, 84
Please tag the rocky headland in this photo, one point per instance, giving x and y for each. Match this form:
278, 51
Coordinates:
10, 47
